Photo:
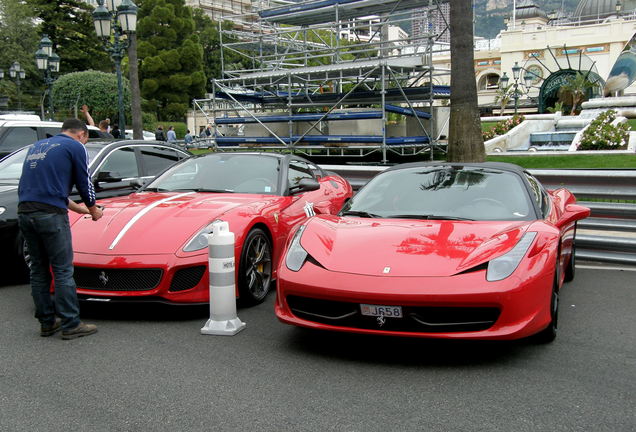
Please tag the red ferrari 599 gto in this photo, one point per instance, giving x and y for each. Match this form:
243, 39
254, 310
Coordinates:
441, 250
152, 245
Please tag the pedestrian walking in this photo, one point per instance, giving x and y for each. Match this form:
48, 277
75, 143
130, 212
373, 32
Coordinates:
116, 132
159, 134
187, 139
172, 136
52, 167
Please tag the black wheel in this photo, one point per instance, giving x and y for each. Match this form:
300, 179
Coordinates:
549, 334
23, 259
255, 268
570, 268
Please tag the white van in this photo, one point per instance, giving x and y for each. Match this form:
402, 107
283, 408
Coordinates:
15, 134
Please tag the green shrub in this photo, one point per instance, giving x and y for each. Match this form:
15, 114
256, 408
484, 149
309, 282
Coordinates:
149, 121
96, 89
602, 135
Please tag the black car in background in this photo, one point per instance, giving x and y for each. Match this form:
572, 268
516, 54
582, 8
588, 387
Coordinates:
117, 168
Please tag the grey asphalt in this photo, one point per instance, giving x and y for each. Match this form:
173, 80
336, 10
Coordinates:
149, 369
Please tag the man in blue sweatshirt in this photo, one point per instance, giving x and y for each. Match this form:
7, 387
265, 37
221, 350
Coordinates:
51, 169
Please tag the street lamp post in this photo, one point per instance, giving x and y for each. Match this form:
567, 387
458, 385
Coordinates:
16, 72
120, 16
516, 69
516, 74
49, 62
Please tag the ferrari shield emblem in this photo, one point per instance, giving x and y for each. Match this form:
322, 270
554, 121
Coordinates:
276, 217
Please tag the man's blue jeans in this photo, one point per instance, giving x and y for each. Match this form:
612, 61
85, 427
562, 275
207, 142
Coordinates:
48, 238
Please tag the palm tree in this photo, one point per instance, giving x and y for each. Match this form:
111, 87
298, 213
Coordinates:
504, 94
576, 87
465, 142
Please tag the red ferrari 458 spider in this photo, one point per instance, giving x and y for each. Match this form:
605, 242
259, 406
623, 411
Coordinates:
152, 245
440, 250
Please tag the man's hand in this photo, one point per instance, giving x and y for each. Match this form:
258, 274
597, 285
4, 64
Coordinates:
96, 212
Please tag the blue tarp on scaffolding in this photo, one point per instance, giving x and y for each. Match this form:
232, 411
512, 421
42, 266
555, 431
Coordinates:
323, 139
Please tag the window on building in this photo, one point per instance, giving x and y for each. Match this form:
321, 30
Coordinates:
488, 82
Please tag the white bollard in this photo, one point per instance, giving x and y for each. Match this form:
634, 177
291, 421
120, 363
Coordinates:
223, 319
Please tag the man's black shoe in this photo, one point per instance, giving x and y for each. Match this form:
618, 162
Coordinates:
46, 331
79, 331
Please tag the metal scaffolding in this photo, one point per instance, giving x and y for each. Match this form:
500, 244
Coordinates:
327, 78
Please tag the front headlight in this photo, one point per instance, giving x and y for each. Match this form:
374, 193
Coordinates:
502, 267
2, 210
200, 239
296, 255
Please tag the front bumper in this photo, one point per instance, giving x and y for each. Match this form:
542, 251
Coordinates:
464, 306
152, 278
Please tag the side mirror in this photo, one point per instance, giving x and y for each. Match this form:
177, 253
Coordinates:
108, 177
573, 212
306, 185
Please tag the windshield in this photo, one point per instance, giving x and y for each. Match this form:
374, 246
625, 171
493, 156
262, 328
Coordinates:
11, 166
255, 174
455, 193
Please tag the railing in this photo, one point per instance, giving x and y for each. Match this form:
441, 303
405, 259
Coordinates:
608, 235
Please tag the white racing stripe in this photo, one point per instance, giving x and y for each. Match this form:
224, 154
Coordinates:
140, 214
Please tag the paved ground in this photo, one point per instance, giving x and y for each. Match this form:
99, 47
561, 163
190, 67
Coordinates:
150, 369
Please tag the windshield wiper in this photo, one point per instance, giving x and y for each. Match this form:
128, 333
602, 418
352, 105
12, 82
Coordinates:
154, 189
359, 213
428, 217
204, 190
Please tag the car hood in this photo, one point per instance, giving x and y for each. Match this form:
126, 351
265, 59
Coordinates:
155, 223
401, 247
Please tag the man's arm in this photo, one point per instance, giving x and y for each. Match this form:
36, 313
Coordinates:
95, 211
89, 119
77, 208
81, 176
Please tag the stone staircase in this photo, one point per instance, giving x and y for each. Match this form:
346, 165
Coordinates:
564, 132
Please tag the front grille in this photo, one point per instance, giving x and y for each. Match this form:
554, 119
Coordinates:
107, 279
187, 278
425, 319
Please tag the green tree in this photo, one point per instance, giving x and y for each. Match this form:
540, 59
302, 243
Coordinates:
69, 24
576, 88
503, 97
18, 42
208, 32
171, 72
96, 89
465, 142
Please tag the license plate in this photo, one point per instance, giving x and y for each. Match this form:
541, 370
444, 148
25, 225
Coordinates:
378, 310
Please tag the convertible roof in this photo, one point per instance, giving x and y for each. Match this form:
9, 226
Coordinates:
501, 166
255, 153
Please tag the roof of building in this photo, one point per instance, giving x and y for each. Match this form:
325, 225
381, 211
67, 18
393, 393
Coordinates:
593, 9
527, 9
